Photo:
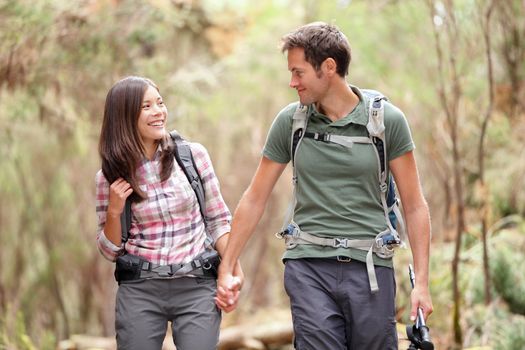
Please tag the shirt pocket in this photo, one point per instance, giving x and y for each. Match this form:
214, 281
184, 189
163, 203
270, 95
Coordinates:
180, 197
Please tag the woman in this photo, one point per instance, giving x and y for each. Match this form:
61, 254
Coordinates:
167, 235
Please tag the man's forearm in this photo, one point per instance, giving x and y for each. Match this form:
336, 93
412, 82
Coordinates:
418, 226
245, 219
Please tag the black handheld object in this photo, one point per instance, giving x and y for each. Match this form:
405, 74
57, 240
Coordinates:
418, 334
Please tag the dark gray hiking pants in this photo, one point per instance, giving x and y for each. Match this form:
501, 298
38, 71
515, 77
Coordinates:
333, 308
144, 308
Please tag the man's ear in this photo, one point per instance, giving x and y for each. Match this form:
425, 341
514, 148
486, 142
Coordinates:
329, 66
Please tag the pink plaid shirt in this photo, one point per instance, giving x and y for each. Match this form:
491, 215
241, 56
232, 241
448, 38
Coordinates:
167, 227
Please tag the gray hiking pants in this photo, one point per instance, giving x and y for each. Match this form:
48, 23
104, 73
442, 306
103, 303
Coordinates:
333, 308
144, 308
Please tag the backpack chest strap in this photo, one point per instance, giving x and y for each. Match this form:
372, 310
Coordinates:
346, 141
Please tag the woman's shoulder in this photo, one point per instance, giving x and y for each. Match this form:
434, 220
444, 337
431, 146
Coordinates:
99, 176
100, 180
198, 151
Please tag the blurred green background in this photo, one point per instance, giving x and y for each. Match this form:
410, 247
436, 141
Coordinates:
456, 68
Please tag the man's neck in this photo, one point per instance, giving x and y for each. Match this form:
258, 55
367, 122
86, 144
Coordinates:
339, 101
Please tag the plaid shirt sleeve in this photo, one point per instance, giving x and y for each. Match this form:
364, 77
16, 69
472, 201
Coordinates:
109, 250
218, 216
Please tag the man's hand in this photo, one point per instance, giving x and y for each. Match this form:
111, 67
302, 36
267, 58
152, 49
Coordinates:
228, 290
420, 297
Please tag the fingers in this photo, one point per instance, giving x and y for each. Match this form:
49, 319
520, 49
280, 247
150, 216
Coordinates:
423, 302
413, 312
224, 294
236, 283
119, 191
226, 304
121, 188
427, 310
228, 291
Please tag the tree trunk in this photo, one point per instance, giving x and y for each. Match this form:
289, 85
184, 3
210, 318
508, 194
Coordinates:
450, 93
484, 188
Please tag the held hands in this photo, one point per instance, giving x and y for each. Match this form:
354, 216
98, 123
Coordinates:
119, 191
420, 297
228, 289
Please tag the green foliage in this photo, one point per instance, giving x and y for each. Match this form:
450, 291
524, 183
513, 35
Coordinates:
508, 279
510, 333
223, 78
15, 335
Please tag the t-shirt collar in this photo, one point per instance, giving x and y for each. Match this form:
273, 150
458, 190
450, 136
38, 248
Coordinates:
356, 116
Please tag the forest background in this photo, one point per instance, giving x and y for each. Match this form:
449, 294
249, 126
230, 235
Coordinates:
456, 68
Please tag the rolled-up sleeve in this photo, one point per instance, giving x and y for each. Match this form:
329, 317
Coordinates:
218, 216
109, 250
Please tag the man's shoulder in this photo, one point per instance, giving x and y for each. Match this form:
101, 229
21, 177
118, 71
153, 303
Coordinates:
285, 116
288, 111
393, 113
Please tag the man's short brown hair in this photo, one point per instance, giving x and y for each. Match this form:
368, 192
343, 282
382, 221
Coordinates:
320, 41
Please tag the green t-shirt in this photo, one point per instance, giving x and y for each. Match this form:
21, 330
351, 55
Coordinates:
338, 187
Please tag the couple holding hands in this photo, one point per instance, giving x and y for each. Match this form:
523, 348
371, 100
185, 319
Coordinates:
166, 269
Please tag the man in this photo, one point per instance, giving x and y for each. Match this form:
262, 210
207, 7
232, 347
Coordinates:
333, 306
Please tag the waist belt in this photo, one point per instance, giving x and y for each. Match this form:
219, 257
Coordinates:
132, 268
195, 267
382, 245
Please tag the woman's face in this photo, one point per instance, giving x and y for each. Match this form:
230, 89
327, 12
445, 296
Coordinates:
152, 119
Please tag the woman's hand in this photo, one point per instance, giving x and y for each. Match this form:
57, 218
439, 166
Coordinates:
119, 191
229, 288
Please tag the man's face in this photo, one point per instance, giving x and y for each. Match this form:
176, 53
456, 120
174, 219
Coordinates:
311, 85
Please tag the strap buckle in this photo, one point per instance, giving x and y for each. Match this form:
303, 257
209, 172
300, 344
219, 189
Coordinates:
325, 137
340, 243
163, 270
344, 259
281, 234
203, 264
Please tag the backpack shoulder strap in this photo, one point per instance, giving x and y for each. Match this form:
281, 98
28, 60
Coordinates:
376, 129
375, 107
299, 123
376, 112
184, 158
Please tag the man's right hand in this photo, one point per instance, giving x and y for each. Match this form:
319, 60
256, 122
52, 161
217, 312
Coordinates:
228, 290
